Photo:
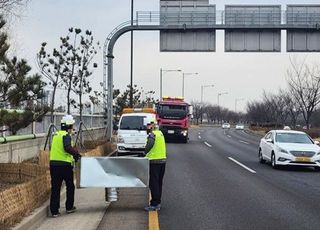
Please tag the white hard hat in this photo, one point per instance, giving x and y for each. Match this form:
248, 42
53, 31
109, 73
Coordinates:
67, 119
286, 128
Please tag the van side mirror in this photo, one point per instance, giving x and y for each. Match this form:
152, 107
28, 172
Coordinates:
316, 142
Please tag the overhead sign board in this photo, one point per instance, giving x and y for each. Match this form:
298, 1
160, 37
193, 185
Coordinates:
187, 13
255, 33
308, 38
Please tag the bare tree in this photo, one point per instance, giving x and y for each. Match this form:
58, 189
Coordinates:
304, 85
212, 112
257, 112
292, 108
50, 66
197, 110
278, 110
9, 7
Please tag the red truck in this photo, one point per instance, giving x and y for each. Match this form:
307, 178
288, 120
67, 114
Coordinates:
172, 115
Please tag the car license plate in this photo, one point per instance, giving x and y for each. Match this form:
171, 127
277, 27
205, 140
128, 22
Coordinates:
170, 131
303, 159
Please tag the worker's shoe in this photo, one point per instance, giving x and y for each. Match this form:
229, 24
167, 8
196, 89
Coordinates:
152, 208
56, 215
72, 210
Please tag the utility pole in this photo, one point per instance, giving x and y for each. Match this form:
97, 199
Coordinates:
131, 67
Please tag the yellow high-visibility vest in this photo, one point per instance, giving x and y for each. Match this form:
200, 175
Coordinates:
57, 152
158, 151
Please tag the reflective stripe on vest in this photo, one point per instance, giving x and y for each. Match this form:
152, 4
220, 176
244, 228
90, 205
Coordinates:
158, 150
57, 152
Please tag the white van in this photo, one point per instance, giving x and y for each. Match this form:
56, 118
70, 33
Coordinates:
132, 132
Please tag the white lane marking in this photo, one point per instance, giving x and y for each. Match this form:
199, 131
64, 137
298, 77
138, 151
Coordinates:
199, 137
244, 142
229, 136
242, 165
207, 144
199, 133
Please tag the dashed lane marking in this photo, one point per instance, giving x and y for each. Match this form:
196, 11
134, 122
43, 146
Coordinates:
229, 136
199, 137
244, 142
242, 165
207, 144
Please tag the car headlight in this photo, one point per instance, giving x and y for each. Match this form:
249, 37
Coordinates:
120, 139
282, 150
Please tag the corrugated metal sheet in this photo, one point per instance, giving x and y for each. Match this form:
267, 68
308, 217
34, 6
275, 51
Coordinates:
114, 172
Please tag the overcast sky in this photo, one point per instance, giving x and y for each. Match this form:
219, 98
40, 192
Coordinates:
242, 75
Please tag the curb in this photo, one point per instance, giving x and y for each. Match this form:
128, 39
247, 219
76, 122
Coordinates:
38, 215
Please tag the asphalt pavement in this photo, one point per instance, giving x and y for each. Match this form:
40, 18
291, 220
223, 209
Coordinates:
213, 182
216, 182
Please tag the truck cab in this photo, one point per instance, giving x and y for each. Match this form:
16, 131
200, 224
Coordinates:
173, 117
132, 132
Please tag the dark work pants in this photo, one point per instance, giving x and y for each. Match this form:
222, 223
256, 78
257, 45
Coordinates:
58, 174
155, 182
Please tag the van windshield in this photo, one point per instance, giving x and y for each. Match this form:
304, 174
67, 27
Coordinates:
132, 123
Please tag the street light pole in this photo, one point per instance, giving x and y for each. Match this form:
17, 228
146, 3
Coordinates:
131, 67
219, 94
163, 70
183, 76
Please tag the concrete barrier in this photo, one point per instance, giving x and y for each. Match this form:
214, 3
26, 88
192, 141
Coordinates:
15, 152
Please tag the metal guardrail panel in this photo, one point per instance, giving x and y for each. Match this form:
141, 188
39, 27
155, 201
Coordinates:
114, 172
252, 15
303, 14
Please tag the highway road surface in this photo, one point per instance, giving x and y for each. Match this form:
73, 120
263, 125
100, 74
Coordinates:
216, 182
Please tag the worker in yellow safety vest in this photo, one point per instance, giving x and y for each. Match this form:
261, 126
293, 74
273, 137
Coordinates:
62, 157
156, 153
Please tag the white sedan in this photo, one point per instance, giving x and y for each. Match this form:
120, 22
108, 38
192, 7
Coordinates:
225, 126
240, 126
288, 147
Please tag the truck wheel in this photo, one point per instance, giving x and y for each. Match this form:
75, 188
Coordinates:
185, 139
